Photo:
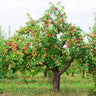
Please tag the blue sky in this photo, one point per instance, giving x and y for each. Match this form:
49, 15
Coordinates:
13, 12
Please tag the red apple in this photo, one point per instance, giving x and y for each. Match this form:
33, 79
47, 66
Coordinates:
52, 22
62, 14
64, 29
40, 63
70, 24
75, 30
44, 49
48, 15
70, 28
68, 40
44, 55
68, 34
71, 31
66, 47
56, 8
73, 26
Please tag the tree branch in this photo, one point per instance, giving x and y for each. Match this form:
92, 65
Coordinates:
66, 66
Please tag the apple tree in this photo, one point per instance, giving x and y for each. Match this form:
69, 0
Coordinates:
56, 43
50, 43
92, 42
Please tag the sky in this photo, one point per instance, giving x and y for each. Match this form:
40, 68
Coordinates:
13, 12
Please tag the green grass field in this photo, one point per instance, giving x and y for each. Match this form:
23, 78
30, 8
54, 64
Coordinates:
39, 85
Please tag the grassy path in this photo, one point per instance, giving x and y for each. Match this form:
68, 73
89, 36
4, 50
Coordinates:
40, 86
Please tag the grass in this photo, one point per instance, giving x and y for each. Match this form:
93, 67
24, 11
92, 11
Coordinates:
40, 86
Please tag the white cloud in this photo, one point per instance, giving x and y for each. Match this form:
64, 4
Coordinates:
13, 12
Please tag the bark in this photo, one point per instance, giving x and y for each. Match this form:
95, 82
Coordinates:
56, 80
66, 66
72, 74
83, 73
45, 74
57, 74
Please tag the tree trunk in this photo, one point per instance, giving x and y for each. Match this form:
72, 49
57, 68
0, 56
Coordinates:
57, 74
72, 74
45, 74
83, 73
56, 80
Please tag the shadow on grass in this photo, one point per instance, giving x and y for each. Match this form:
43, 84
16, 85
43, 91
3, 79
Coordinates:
92, 93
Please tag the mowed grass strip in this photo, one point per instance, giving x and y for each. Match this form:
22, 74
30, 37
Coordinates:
39, 85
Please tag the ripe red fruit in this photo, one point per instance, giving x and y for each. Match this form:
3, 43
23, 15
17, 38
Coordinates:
34, 55
66, 47
48, 35
73, 26
86, 65
68, 34
55, 47
52, 57
91, 43
62, 14
23, 82
40, 63
84, 35
60, 29
51, 71
56, 8
64, 29
47, 25
32, 31
91, 53
27, 77
68, 40
5, 60
27, 31
71, 31
44, 49
44, 55
28, 57
80, 37
52, 22
75, 30
78, 40
27, 44
74, 38
33, 50
59, 48
14, 42
91, 50
1, 71
16, 45
69, 44
23, 48
26, 53
70, 24
48, 15
70, 28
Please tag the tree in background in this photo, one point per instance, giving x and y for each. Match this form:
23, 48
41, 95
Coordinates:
92, 42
